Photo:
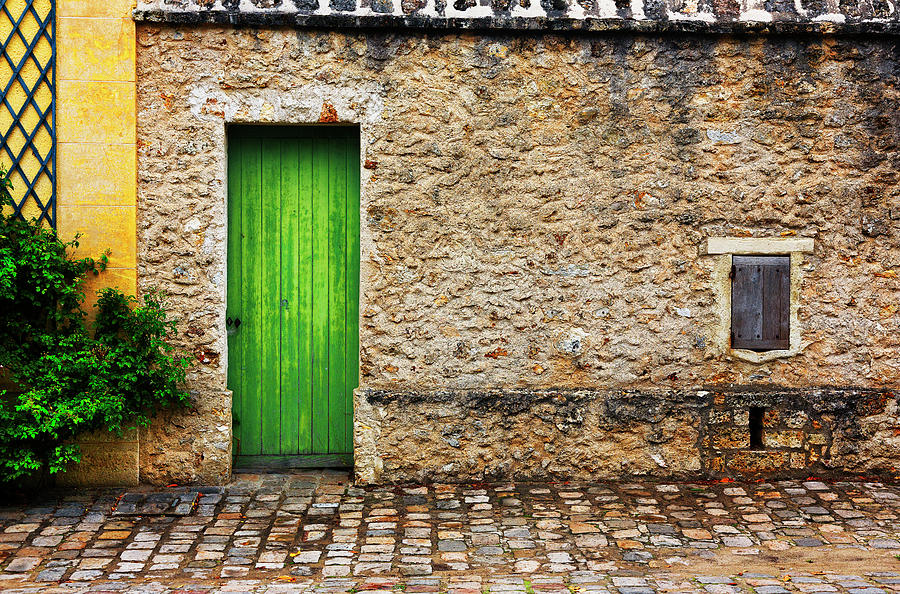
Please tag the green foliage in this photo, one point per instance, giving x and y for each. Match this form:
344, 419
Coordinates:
71, 380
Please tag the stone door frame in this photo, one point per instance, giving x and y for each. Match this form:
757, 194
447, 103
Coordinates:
361, 105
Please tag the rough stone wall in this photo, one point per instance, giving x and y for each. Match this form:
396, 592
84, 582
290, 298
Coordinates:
534, 207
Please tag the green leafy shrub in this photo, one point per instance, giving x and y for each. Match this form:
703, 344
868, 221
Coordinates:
70, 380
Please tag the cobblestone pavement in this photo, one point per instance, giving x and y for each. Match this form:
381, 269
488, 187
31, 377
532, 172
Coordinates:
316, 531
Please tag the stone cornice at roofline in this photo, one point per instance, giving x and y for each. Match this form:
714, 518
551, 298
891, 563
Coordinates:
817, 17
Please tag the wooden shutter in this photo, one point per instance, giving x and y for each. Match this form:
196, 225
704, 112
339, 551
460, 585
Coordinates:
760, 302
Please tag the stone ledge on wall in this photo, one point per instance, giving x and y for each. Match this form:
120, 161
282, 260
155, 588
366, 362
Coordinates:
641, 16
591, 434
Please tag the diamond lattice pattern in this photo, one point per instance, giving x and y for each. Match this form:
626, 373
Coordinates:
27, 112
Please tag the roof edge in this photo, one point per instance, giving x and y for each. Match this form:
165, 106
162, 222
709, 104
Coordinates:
498, 23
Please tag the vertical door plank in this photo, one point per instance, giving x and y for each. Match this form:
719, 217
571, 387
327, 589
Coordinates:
233, 306
305, 294
290, 291
251, 329
352, 357
337, 294
270, 296
320, 264
746, 304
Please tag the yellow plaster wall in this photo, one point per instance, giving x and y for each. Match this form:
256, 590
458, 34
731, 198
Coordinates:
96, 163
97, 178
96, 151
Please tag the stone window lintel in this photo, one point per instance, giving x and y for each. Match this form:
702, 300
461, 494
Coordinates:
758, 246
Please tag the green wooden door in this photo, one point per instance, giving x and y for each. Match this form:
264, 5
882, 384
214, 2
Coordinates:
293, 282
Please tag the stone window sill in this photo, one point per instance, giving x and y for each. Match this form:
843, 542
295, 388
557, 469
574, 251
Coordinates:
766, 356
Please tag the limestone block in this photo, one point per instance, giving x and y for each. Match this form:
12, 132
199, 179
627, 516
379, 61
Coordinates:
106, 460
107, 8
123, 279
98, 112
758, 245
190, 446
96, 49
101, 228
93, 174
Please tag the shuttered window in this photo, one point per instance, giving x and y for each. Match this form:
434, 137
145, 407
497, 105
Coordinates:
760, 302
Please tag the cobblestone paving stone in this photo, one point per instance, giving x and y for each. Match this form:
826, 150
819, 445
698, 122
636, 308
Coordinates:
315, 531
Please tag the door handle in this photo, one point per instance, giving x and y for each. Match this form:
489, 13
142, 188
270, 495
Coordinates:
236, 322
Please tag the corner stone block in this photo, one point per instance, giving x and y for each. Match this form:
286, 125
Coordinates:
798, 460
716, 465
100, 49
95, 174
719, 416
98, 112
107, 460
189, 446
101, 228
123, 279
107, 8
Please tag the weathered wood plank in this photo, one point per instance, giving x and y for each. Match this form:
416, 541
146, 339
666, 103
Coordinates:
233, 309
337, 294
290, 297
760, 302
746, 304
320, 268
251, 327
294, 275
255, 463
305, 295
270, 318
776, 306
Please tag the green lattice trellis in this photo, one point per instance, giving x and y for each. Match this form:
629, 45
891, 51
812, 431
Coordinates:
28, 122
